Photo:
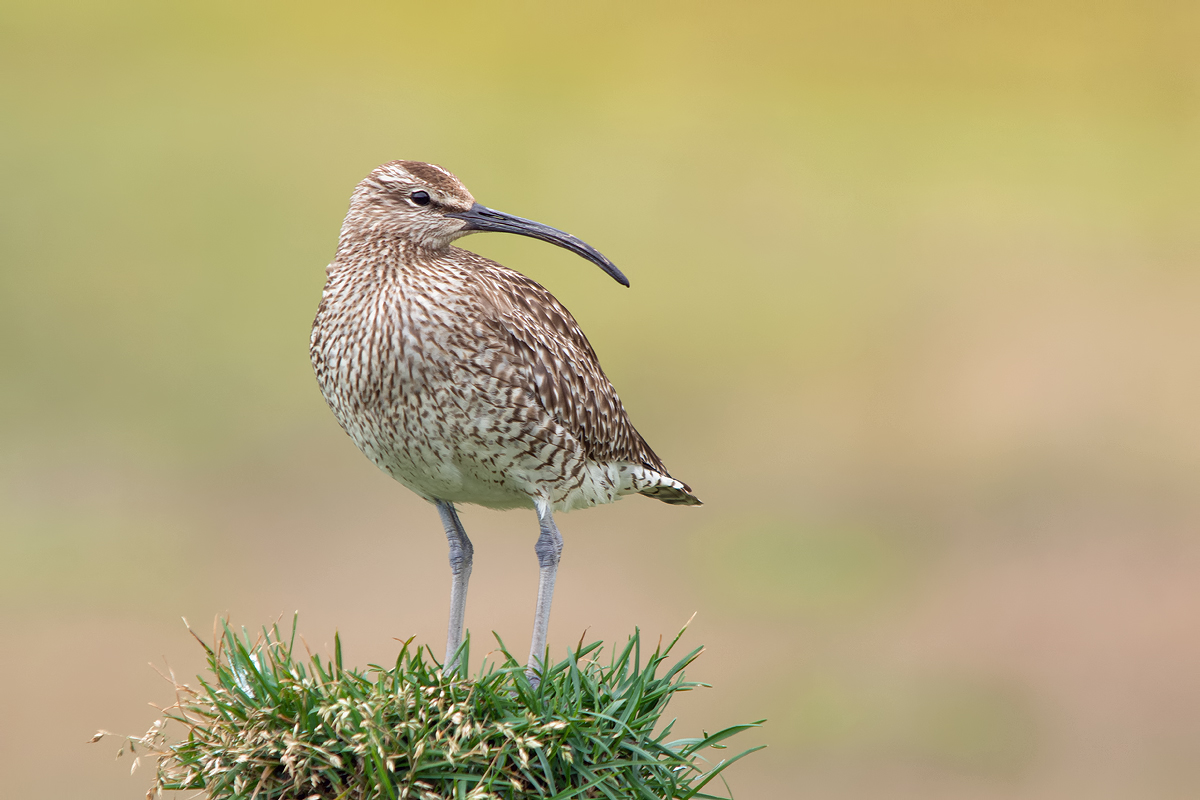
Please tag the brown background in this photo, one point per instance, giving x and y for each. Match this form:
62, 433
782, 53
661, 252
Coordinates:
914, 309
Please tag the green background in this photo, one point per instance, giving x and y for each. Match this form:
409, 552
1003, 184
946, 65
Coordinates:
914, 310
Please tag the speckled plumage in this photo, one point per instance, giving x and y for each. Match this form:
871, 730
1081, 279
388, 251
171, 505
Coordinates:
466, 381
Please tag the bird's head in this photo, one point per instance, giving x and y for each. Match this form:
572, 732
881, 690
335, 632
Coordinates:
427, 206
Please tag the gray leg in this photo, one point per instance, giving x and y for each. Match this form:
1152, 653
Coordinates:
461, 552
548, 548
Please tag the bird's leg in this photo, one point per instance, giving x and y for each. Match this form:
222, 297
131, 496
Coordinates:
548, 548
461, 552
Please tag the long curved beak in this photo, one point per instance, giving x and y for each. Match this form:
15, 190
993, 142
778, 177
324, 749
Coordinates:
482, 218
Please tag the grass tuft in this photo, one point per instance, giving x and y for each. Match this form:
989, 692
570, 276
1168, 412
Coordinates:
267, 723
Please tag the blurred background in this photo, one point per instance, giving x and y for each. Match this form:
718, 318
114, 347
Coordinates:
914, 310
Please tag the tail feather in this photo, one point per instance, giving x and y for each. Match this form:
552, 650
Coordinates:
675, 495
660, 486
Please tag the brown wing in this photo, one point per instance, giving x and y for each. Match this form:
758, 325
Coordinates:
570, 382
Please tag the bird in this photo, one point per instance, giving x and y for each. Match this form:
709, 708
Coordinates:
468, 382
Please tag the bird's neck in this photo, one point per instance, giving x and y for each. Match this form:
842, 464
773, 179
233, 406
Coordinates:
373, 245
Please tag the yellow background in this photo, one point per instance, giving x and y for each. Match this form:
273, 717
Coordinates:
915, 310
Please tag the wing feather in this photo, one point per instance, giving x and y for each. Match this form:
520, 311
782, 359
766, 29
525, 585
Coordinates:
570, 383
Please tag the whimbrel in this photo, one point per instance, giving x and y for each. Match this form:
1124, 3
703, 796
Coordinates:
466, 381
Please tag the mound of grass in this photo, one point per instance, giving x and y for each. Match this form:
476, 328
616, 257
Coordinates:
268, 723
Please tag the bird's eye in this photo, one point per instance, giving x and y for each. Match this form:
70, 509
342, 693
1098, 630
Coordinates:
420, 198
